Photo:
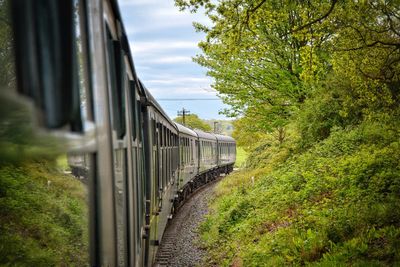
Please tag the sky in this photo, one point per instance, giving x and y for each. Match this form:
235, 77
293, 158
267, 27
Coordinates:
163, 43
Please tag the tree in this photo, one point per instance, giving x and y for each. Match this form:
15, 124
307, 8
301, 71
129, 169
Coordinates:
268, 57
256, 53
193, 121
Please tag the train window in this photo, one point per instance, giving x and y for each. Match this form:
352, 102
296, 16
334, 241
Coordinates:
134, 115
116, 71
45, 47
190, 149
187, 150
181, 148
139, 125
169, 138
82, 60
184, 149
154, 131
160, 134
164, 136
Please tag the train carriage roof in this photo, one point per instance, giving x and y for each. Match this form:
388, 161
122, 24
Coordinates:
185, 130
204, 135
224, 138
153, 102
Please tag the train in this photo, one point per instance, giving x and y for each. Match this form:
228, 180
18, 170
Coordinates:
73, 65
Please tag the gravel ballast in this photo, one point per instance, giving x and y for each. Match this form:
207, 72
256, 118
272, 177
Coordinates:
179, 246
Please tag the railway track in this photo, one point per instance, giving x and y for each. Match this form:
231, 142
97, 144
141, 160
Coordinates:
178, 246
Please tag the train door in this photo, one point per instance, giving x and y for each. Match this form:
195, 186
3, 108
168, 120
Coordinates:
117, 90
140, 185
153, 194
136, 179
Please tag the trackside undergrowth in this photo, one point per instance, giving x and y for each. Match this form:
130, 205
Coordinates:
43, 216
336, 203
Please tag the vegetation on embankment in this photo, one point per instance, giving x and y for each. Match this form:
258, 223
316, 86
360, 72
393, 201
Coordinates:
43, 216
316, 87
241, 156
336, 203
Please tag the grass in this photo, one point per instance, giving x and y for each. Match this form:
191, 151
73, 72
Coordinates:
43, 216
62, 163
335, 204
241, 156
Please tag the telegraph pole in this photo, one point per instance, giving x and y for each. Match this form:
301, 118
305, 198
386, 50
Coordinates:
215, 126
183, 113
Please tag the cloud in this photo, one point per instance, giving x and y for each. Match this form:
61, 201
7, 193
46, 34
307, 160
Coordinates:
154, 15
169, 60
127, 3
180, 92
181, 80
163, 42
161, 45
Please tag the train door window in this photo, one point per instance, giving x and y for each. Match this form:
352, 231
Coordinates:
172, 153
85, 92
138, 120
184, 149
169, 155
190, 150
204, 150
162, 127
116, 72
180, 151
160, 155
187, 150
160, 134
168, 138
197, 151
44, 40
165, 174
208, 149
133, 102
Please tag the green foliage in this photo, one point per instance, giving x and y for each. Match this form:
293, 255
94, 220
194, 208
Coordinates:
264, 55
335, 204
43, 217
268, 57
241, 156
193, 121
